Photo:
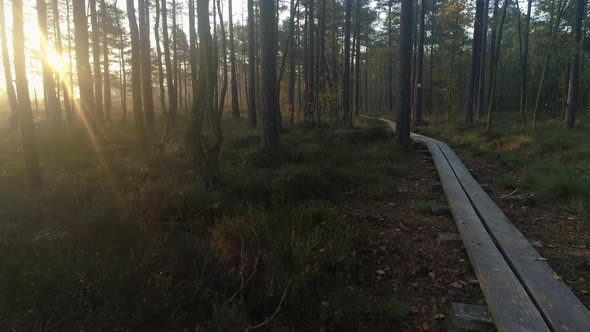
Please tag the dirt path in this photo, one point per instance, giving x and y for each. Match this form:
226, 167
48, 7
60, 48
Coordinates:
405, 260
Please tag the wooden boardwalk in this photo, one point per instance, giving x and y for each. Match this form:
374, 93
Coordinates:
522, 292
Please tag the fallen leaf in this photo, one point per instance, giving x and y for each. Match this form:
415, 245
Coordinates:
556, 277
380, 272
432, 275
425, 326
439, 316
541, 259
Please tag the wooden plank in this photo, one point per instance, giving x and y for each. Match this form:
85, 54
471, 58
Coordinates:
562, 310
509, 304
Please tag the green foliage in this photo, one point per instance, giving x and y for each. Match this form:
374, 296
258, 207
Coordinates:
120, 239
554, 164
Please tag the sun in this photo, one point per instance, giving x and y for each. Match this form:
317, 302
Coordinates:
54, 60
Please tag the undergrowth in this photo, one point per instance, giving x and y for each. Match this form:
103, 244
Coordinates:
554, 163
123, 239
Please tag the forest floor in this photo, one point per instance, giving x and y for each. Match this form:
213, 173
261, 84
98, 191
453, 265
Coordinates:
334, 232
542, 183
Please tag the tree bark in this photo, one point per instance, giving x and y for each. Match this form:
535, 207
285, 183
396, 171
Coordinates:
402, 133
270, 104
12, 101
59, 49
346, 89
574, 82
475, 60
357, 79
493, 36
419, 67
525, 65
146, 65
52, 106
207, 155
82, 43
108, 99
235, 106
136, 71
480, 94
159, 59
494, 72
172, 98
251, 66
223, 92
27, 125
96, 61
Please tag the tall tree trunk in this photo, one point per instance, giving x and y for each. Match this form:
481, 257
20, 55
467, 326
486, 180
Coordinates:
311, 70
389, 85
136, 70
96, 61
475, 59
224, 51
270, 103
52, 106
207, 155
12, 101
251, 66
554, 31
346, 90
494, 72
419, 66
146, 64
27, 125
59, 48
574, 82
175, 53
71, 60
357, 79
82, 42
480, 93
172, 99
159, 59
493, 37
123, 75
525, 65
108, 99
431, 70
402, 133
235, 106
292, 72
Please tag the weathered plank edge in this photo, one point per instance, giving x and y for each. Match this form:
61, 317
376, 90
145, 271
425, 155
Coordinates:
560, 307
509, 304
